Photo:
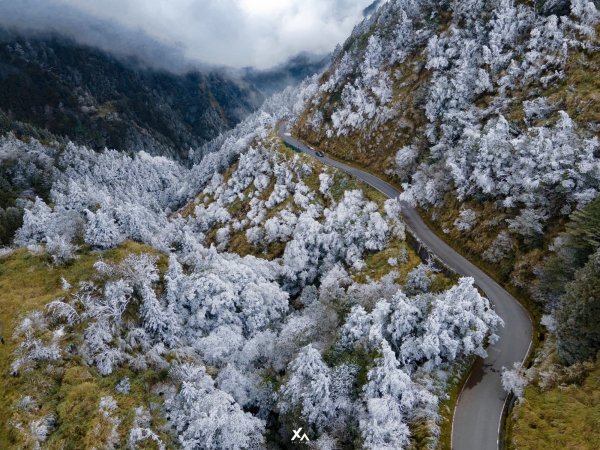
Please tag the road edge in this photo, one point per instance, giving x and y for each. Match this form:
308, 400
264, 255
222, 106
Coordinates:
530, 315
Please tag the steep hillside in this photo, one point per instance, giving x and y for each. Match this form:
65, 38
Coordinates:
57, 91
98, 100
269, 293
28, 282
558, 407
486, 114
230, 300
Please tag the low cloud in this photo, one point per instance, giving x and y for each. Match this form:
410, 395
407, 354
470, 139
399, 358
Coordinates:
173, 33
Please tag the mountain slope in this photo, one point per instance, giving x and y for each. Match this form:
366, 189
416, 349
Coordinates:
291, 297
480, 406
273, 293
100, 101
486, 113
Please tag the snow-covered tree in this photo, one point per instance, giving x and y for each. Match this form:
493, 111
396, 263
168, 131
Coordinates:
499, 248
203, 416
101, 230
458, 324
465, 220
61, 250
390, 396
419, 279
309, 388
514, 380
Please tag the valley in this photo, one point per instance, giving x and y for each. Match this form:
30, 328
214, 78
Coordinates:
395, 245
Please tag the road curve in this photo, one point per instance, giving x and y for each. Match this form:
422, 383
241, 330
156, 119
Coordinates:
478, 412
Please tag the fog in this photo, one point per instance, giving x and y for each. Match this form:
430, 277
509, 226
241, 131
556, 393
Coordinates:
181, 34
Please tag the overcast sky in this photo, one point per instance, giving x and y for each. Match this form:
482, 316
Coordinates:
235, 33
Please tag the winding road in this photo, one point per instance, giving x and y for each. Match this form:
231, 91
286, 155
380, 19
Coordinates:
479, 409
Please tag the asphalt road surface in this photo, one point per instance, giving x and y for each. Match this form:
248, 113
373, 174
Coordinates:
478, 412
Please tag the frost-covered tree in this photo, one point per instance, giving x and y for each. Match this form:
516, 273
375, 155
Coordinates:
419, 279
101, 230
390, 396
245, 387
404, 323
356, 328
499, 248
466, 220
204, 416
60, 249
405, 161
325, 182
458, 324
514, 380
309, 388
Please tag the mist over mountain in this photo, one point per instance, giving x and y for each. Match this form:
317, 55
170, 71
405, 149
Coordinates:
138, 95
228, 296
69, 71
178, 35
290, 73
99, 100
39, 20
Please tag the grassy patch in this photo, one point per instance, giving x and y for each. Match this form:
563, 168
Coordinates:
566, 416
70, 391
377, 264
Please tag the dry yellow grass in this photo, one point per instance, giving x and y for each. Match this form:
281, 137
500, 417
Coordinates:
69, 392
563, 416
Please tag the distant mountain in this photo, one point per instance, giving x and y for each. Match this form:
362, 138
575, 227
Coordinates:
289, 73
56, 85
